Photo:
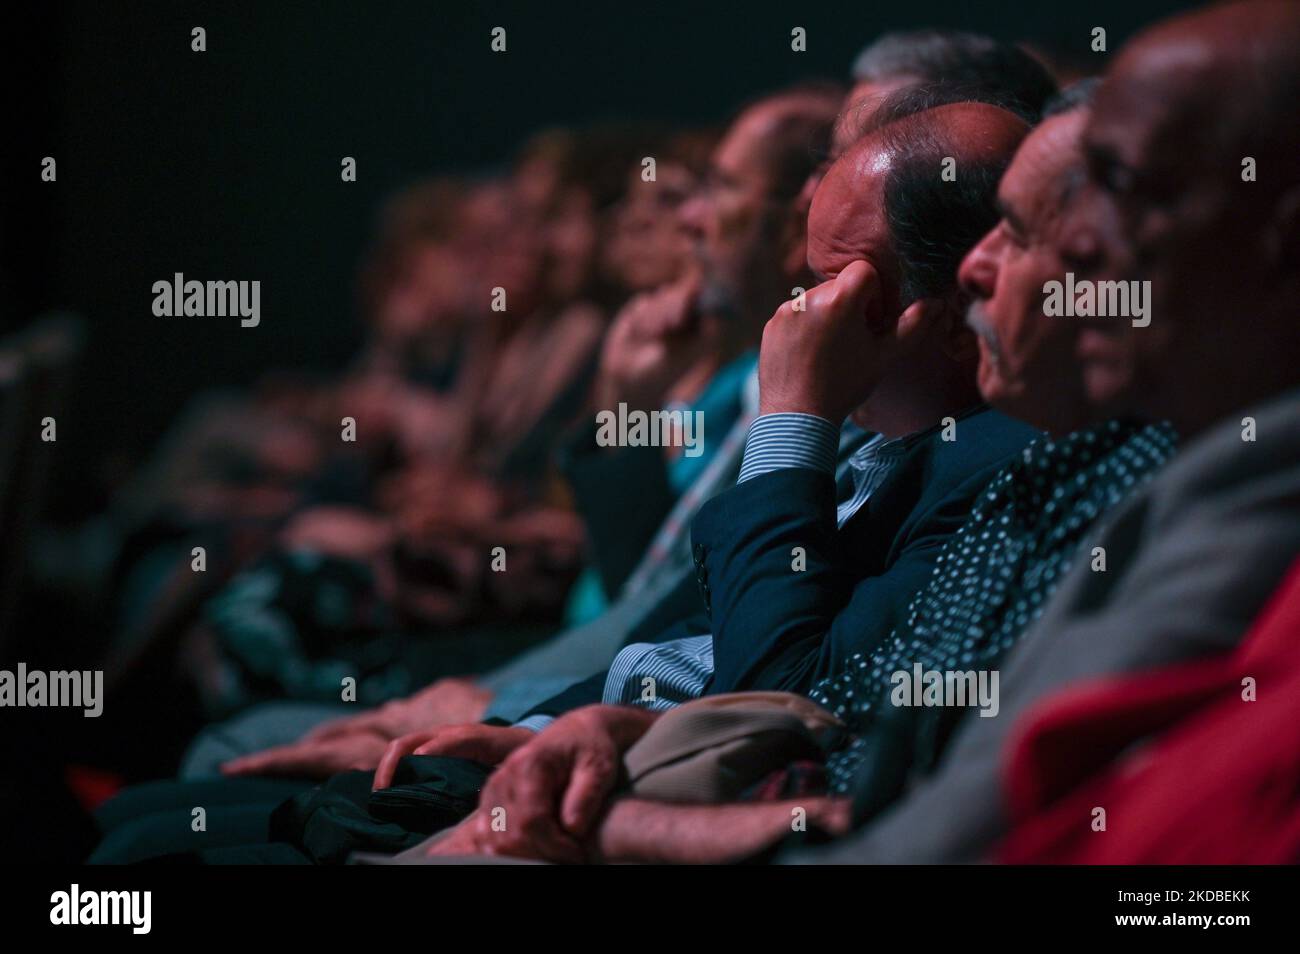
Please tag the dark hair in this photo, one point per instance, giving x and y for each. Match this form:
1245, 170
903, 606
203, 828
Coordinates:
933, 223
1075, 96
911, 100
968, 60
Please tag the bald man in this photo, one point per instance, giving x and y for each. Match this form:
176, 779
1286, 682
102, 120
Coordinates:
1192, 558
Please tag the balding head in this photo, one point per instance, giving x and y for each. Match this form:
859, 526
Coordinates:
888, 201
1193, 152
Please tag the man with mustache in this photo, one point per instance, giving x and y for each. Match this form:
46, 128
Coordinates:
1191, 559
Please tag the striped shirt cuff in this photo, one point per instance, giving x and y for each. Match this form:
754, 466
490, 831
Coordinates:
535, 723
790, 439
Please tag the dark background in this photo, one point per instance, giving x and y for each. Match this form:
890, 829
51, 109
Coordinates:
225, 164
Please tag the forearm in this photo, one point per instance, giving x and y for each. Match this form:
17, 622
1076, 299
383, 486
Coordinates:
657, 833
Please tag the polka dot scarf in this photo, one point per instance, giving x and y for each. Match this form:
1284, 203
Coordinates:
993, 577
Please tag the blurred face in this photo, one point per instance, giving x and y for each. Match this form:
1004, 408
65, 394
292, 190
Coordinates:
569, 238
1164, 204
422, 293
648, 246
1028, 367
497, 247
733, 221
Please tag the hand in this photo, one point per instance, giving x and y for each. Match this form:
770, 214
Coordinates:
450, 701
544, 800
488, 744
827, 359
315, 758
653, 341
340, 531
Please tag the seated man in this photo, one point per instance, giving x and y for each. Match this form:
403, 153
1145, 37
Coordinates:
1190, 559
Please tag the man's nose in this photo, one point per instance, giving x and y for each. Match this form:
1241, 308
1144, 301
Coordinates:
978, 271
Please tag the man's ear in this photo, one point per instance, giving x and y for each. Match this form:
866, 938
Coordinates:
947, 317
917, 318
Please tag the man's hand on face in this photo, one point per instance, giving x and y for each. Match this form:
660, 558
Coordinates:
488, 744
313, 759
545, 799
829, 357
654, 340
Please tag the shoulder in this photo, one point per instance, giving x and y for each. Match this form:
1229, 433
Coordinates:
969, 445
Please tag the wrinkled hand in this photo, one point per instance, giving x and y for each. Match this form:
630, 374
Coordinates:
827, 359
488, 744
314, 758
545, 798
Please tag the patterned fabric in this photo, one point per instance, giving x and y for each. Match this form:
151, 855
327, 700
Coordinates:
996, 574
789, 439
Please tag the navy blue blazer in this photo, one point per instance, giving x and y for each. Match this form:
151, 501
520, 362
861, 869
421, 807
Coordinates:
776, 627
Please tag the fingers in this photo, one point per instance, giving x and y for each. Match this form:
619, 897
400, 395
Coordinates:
518, 813
397, 750
592, 780
856, 291
281, 760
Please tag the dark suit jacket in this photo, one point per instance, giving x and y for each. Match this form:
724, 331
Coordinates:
775, 627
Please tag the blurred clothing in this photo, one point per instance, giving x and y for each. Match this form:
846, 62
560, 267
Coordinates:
624, 494
1189, 769
1190, 561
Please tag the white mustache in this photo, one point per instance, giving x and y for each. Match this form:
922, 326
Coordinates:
978, 322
